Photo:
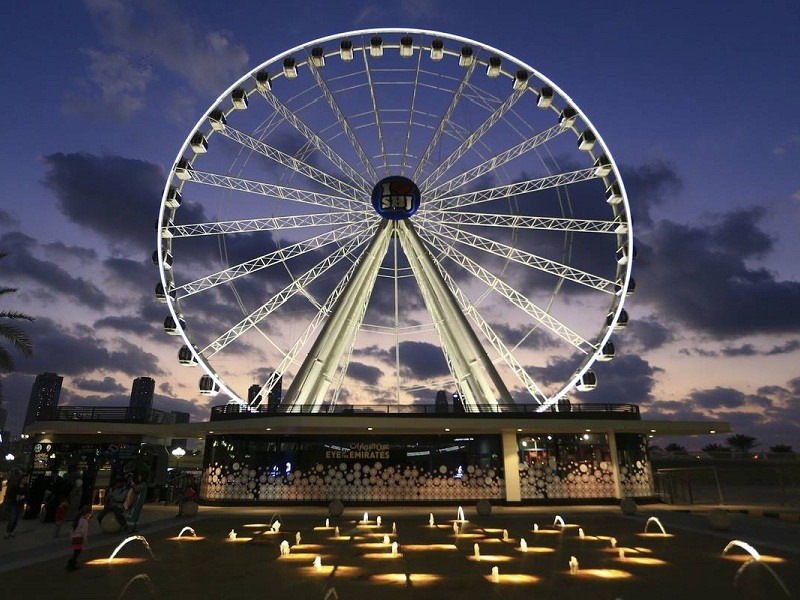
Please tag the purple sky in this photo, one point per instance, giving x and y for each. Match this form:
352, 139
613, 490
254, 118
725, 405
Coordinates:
697, 101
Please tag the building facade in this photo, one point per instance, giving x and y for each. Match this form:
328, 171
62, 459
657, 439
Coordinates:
45, 393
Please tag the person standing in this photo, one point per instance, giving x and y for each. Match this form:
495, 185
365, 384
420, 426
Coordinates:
139, 491
16, 496
80, 534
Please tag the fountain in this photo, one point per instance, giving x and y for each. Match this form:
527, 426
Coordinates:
129, 539
327, 523
297, 538
573, 565
744, 546
460, 515
140, 577
430, 520
231, 535
386, 540
523, 545
455, 527
756, 558
284, 548
276, 526
613, 541
336, 531
505, 535
476, 550
366, 518
189, 529
378, 520
657, 522
622, 553
318, 563
496, 574
394, 548
535, 527
580, 533
394, 527
558, 520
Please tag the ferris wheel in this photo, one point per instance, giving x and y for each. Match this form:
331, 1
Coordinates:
376, 215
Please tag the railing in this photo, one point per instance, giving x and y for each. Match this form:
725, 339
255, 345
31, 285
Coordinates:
581, 411
106, 413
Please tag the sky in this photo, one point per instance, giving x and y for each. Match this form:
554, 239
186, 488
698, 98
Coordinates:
697, 102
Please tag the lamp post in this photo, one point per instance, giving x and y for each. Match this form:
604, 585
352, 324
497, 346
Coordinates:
178, 453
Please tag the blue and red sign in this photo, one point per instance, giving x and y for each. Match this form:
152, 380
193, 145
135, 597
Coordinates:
396, 198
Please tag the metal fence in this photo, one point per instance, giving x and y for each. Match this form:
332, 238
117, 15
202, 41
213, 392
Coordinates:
106, 413
761, 484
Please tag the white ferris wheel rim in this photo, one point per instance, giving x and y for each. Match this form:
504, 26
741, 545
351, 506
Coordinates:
617, 307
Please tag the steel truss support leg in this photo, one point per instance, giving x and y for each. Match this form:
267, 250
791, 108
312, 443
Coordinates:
474, 372
317, 373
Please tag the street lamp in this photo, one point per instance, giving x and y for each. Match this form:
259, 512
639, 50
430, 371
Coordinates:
178, 453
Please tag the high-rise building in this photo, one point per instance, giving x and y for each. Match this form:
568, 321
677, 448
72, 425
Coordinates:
273, 396
142, 397
44, 394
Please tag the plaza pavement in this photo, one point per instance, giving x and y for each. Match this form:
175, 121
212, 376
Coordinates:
34, 542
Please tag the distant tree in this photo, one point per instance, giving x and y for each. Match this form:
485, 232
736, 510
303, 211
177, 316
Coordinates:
715, 448
780, 448
673, 447
13, 334
742, 442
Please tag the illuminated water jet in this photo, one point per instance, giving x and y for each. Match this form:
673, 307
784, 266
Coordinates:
189, 529
744, 546
430, 520
476, 551
140, 577
657, 522
496, 574
460, 515
318, 563
573, 565
284, 548
386, 540
231, 535
558, 520
129, 539
613, 541
394, 548
297, 538
505, 535
523, 545
580, 533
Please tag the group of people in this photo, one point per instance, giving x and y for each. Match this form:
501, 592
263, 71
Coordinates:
125, 500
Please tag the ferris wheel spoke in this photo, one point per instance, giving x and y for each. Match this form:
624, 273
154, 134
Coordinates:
316, 141
274, 191
267, 224
496, 161
290, 162
455, 218
445, 247
473, 138
376, 114
444, 121
497, 343
510, 190
342, 119
298, 285
412, 110
267, 260
528, 259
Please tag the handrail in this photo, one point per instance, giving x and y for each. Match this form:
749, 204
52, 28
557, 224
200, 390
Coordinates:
573, 410
106, 413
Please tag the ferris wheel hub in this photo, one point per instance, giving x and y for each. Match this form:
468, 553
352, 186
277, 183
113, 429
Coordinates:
395, 198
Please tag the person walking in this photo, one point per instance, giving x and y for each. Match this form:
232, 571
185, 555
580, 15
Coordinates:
16, 496
73, 502
80, 534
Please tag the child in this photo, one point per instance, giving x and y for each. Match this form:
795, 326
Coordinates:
80, 531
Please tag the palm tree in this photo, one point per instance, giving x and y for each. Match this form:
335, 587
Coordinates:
12, 333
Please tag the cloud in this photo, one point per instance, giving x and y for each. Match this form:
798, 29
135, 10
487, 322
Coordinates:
418, 360
700, 276
113, 89
107, 385
364, 373
82, 352
116, 197
8, 220
647, 334
158, 34
648, 186
22, 263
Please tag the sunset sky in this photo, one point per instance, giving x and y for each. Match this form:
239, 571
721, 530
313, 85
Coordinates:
697, 102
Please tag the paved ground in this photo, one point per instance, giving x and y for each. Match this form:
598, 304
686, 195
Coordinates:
432, 561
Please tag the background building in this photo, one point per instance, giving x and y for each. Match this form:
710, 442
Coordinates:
44, 394
142, 397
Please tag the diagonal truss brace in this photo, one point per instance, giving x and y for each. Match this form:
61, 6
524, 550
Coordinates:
267, 224
454, 218
473, 368
309, 387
